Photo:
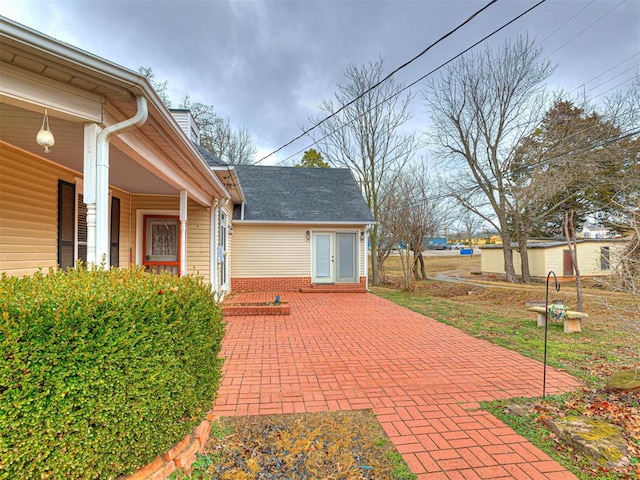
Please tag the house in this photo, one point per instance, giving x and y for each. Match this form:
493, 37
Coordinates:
122, 185
596, 257
590, 230
126, 182
299, 228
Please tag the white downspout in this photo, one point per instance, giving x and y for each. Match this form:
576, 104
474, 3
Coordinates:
366, 257
102, 178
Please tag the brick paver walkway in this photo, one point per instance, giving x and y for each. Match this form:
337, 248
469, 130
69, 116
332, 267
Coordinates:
422, 378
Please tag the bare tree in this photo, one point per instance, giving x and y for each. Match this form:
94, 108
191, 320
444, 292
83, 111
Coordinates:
367, 136
387, 217
160, 87
217, 136
417, 212
482, 106
470, 223
626, 264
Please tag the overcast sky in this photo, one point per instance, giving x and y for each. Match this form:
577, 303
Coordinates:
268, 64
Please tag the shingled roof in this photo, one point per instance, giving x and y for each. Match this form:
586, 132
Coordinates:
211, 159
296, 194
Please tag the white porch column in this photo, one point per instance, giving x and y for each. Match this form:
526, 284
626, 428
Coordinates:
91, 131
183, 232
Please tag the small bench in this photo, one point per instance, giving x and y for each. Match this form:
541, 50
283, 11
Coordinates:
572, 320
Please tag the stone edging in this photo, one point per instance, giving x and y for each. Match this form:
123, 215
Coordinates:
180, 457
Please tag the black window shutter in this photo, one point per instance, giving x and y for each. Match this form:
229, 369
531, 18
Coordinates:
114, 253
66, 223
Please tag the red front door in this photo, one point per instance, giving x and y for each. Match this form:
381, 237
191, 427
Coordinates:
161, 244
567, 264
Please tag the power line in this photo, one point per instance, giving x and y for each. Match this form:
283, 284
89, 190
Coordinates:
451, 32
614, 77
442, 65
585, 148
585, 29
607, 71
555, 158
567, 21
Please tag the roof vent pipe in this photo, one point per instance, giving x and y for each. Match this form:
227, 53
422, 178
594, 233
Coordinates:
102, 178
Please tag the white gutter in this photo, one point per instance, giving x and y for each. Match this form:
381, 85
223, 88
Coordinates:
284, 222
102, 178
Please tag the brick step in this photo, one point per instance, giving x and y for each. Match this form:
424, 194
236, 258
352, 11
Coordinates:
335, 288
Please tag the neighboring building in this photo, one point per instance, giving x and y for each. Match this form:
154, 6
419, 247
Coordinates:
127, 183
595, 257
590, 230
299, 227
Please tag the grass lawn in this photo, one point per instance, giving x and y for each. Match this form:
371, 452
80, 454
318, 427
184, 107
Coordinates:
496, 312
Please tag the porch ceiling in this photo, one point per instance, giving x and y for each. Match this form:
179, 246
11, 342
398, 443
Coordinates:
19, 127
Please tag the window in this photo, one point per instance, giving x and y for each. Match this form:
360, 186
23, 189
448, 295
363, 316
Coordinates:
605, 258
72, 227
222, 249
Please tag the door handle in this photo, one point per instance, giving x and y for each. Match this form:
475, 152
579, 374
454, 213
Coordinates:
147, 257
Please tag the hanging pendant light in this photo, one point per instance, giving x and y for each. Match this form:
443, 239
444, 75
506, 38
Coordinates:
45, 137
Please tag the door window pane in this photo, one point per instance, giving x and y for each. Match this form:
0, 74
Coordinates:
323, 256
346, 256
162, 240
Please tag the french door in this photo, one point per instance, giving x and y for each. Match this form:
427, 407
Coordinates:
334, 257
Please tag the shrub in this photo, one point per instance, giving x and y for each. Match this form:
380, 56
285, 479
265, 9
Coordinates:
100, 371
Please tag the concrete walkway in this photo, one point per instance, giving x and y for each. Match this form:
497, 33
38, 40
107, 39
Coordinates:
422, 378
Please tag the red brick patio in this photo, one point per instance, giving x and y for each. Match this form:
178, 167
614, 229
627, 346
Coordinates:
422, 378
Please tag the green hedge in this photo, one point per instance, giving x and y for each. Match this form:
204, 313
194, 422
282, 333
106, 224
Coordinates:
100, 371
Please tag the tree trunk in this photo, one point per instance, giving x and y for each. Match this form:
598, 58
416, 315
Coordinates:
423, 270
406, 261
524, 259
419, 272
507, 251
570, 234
373, 242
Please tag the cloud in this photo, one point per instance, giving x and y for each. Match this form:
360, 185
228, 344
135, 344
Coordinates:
267, 65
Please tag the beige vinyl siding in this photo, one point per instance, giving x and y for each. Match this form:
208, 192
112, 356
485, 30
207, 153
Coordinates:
280, 250
537, 262
198, 229
492, 260
198, 240
270, 251
553, 258
28, 211
126, 234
